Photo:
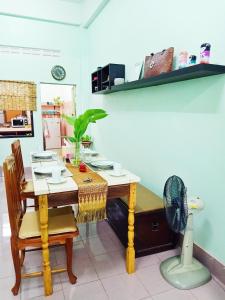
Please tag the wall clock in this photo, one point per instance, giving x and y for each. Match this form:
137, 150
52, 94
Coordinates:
58, 72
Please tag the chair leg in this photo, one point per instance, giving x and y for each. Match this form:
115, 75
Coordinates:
22, 257
17, 267
36, 204
24, 205
69, 259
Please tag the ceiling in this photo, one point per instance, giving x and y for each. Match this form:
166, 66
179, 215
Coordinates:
68, 12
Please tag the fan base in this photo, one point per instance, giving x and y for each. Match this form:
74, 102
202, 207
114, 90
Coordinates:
184, 277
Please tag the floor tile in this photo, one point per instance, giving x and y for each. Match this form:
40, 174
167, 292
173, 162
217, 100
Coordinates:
109, 264
79, 252
55, 296
5, 245
153, 280
209, 291
79, 249
5, 226
5, 289
175, 295
94, 228
145, 261
6, 265
100, 245
124, 286
90, 291
34, 287
33, 260
84, 270
117, 243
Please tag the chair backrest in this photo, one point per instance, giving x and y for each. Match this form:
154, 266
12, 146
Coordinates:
12, 195
16, 150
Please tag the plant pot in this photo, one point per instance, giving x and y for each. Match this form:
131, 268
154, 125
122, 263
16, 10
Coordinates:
86, 144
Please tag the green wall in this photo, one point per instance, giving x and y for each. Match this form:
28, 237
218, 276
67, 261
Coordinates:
170, 129
28, 33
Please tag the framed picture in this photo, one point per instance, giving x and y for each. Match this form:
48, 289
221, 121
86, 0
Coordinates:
135, 71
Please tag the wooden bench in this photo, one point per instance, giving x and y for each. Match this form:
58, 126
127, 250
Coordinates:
152, 233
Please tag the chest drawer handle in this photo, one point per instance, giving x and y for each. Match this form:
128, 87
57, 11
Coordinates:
155, 226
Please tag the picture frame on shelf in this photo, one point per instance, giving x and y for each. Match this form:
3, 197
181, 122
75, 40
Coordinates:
135, 71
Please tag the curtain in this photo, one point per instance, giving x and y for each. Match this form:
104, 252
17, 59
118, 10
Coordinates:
17, 95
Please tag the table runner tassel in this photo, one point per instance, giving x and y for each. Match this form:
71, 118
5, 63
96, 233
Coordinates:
91, 208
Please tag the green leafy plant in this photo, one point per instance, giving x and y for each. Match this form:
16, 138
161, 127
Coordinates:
86, 138
80, 125
57, 100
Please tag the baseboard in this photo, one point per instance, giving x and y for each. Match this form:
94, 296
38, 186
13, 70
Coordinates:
216, 268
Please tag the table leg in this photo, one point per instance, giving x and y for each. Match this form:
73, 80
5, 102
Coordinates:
43, 210
130, 253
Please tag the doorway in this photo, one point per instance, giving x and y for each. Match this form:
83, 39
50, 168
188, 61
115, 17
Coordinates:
56, 100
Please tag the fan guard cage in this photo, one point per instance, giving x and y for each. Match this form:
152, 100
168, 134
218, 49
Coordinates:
175, 201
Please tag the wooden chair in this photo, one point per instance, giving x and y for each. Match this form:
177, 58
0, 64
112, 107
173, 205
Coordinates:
25, 228
26, 186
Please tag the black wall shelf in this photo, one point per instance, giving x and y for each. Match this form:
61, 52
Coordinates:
192, 72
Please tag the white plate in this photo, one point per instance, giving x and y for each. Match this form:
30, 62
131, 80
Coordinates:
102, 163
47, 170
56, 181
116, 174
94, 154
89, 152
44, 154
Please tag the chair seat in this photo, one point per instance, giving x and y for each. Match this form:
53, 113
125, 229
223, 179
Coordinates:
61, 220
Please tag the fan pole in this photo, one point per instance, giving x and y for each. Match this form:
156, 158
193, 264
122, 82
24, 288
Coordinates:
187, 248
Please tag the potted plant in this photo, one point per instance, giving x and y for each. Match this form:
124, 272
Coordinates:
80, 125
57, 101
86, 141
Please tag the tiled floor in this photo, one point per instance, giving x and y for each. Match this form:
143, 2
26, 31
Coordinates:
100, 267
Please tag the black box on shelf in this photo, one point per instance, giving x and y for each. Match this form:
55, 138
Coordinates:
103, 78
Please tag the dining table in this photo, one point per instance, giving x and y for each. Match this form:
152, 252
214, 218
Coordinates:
66, 193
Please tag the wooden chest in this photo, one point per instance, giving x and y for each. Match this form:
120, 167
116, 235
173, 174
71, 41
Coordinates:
152, 233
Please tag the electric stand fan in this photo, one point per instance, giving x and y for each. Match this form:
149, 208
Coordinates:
183, 272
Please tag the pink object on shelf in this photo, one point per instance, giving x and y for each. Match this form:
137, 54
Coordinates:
205, 53
183, 59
